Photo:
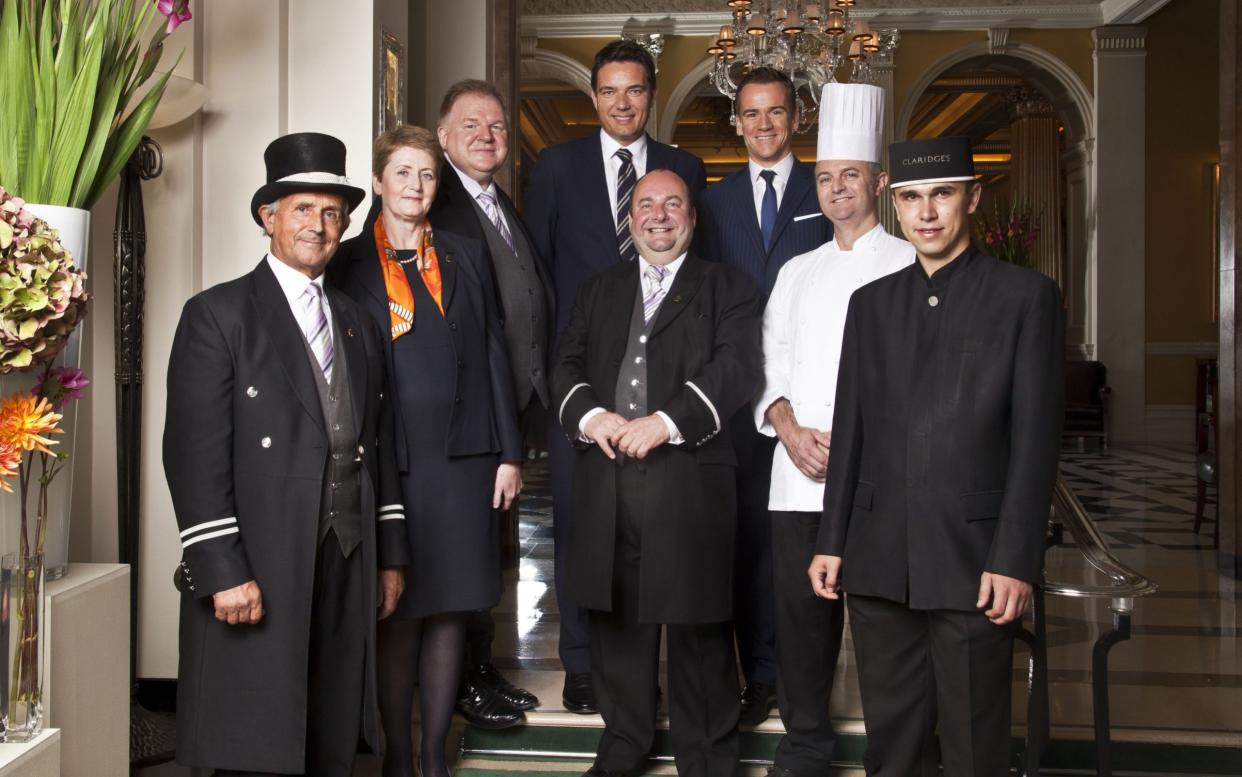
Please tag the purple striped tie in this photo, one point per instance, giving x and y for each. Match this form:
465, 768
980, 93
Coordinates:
655, 295
315, 327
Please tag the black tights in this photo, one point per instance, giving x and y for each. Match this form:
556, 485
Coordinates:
426, 653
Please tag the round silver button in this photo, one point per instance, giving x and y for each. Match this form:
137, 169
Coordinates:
642, 338
933, 300
634, 381
252, 392
266, 442
638, 360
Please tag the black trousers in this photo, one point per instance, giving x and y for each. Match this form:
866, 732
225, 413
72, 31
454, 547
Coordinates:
625, 659
753, 599
808, 641
920, 670
574, 643
337, 661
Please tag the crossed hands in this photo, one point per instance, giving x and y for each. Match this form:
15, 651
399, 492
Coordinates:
634, 438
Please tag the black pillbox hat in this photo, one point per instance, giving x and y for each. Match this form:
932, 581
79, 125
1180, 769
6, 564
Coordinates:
931, 160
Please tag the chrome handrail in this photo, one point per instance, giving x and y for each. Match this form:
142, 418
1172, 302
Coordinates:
1126, 583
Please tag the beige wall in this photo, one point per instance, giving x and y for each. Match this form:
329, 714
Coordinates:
1182, 141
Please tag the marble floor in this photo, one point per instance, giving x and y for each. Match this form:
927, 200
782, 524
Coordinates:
1178, 679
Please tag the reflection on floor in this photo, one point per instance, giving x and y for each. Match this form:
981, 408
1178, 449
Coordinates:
1177, 680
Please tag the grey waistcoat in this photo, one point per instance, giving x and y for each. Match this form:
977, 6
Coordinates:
340, 507
524, 302
631, 393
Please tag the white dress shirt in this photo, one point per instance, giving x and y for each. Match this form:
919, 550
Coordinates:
612, 164
293, 284
782, 169
474, 190
802, 329
666, 283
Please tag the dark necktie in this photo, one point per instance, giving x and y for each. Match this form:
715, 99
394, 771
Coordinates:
625, 189
767, 211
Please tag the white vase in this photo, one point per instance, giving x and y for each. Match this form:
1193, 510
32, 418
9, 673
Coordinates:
74, 227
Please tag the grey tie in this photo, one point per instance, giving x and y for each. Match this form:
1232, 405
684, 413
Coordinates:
625, 189
487, 201
315, 327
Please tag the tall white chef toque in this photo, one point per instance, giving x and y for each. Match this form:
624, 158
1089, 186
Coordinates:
851, 123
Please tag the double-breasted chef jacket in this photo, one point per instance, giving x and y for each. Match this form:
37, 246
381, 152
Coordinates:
704, 363
945, 431
245, 452
802, 326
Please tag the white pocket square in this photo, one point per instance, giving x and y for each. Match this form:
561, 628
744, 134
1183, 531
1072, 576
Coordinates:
806, 216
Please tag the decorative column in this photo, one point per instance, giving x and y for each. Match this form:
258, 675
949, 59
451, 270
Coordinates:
1036, 168
882, 74
1120, 170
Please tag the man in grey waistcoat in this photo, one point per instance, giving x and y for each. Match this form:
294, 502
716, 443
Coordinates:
474, 134
279, 458
657, 352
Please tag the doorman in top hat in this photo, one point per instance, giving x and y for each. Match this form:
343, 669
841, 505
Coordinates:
282, 475
945, 433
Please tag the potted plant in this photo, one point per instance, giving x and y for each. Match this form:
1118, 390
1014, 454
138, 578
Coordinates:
1009, 232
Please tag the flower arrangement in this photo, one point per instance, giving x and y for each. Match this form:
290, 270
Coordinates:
68, 72
42, 294
1008, 232
28, 422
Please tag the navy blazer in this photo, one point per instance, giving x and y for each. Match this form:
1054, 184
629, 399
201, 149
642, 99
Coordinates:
485, 418
570, 216
728, 228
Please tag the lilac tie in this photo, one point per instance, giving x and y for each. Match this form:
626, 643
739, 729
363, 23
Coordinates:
487, 201
653, 298
315, 327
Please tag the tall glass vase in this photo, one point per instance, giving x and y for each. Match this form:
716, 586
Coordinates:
73, 224
22, 627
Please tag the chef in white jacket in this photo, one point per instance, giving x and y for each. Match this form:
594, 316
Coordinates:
802, 329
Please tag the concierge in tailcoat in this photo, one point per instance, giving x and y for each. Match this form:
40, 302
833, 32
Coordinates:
945, 433
245, 449
455, 562
704, 361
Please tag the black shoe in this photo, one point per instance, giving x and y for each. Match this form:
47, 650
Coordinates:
520, 698
595, 771
483, 707
579, 694
757, 701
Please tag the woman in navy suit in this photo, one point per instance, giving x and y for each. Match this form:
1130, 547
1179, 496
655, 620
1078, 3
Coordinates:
458, 444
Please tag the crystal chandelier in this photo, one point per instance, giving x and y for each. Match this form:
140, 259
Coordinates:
808, 41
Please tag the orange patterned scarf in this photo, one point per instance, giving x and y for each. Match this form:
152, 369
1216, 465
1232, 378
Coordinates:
397, 285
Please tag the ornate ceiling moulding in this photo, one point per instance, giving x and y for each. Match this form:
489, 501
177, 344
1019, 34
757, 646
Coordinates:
591, 23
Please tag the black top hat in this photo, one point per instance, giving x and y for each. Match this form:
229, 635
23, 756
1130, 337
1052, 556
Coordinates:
930, 160
304, 162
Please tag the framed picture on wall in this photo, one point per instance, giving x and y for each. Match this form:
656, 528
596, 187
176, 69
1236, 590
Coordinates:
390, 109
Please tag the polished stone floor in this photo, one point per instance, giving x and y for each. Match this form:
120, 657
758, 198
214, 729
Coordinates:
1178, 679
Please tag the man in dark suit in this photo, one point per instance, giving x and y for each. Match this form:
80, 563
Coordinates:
577, 208
475, 137
657, 353
944, 453
757, 220
280, 462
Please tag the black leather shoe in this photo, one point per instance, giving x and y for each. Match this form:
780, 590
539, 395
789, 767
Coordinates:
757, 701
595, 771
579, 694
483, 707
520, 698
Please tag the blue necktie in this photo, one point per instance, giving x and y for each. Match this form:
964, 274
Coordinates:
767, 211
